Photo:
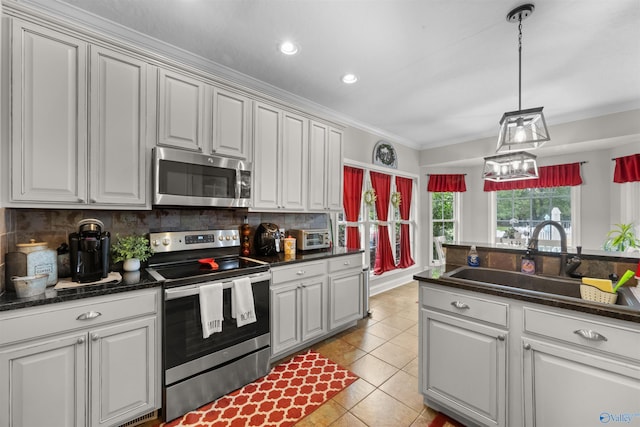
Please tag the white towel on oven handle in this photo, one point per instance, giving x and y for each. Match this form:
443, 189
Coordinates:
242, 306
211, 314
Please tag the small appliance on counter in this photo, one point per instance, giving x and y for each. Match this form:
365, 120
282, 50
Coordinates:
31, 259
312, 239
89, 251
267, 239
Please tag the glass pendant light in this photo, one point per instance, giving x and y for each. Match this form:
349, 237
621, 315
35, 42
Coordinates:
521, 129
510, 167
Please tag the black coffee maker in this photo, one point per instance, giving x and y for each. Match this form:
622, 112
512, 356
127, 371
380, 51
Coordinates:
89, 251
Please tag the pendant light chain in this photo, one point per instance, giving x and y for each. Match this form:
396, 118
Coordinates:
520, 62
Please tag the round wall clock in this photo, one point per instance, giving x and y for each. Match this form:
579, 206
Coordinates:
384, 154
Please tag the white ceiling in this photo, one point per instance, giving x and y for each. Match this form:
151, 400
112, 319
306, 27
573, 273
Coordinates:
432, 72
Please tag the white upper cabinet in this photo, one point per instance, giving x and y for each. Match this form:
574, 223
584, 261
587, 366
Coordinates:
181, 111
117, 129
52, 161
325, 168
280, 153
48, 100
231, 124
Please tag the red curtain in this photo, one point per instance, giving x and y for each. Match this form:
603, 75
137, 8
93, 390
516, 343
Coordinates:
353, 178
446, 183
384, 257
548, 176
627, 169
405, 187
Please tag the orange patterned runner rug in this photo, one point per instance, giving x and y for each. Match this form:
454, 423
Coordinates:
441, 420
291, 391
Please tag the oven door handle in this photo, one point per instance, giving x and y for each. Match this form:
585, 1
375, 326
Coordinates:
190, 290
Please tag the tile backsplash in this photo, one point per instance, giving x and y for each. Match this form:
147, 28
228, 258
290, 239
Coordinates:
54, 225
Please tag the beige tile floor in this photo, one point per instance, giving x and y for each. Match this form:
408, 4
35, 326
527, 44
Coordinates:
383, 351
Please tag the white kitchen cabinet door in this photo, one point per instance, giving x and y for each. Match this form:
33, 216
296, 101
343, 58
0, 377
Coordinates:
48, 104
231, 117
464, 367
266, 152
318, 139
117, 129
325, 168
285, 318
346, 294
181, 111
314, 308
123, 371
334, 170
293, 162
570, 387
43, 383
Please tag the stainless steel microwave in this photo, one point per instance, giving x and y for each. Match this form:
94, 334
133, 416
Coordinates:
183, 178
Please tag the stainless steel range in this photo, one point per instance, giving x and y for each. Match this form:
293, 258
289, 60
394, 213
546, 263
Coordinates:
198, 370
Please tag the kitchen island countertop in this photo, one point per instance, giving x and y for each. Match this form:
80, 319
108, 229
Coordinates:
607, 310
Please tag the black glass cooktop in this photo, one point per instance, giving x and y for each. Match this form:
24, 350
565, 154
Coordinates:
195, 268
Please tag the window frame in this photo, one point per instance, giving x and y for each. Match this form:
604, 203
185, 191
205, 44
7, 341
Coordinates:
366, 225
457, 224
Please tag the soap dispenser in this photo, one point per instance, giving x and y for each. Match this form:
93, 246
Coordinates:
473, 259
528, 264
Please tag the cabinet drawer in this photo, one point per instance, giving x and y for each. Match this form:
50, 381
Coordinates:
299, 271
345, 263
594, 334
28, 323
465, 305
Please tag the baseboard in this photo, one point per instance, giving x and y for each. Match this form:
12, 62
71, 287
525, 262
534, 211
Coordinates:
392, 282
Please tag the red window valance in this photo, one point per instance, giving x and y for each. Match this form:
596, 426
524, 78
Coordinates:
548, 176
446, 183
627, 169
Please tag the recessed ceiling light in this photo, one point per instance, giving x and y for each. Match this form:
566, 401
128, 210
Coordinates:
288, 48
349, 78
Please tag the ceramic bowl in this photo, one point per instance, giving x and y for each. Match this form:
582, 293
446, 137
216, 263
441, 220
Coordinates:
29, 286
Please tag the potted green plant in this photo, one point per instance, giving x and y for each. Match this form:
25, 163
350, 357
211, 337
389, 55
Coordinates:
132, 250
621, 238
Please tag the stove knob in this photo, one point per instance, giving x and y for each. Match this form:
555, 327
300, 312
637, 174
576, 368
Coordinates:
221, 238
227, 237
234, 237
166, 241
155, 242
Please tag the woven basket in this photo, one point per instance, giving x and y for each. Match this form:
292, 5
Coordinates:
592, 293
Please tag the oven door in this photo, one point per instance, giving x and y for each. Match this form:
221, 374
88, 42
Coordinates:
187, 353
192, 179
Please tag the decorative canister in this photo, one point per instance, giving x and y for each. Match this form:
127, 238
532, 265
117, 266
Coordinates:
289, 247
33, 258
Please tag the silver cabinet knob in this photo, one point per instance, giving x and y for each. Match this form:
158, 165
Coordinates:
527, 346
501, 337
80, 340
95, 337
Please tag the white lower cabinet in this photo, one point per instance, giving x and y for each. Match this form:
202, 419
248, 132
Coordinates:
311, 300
90, 364
345, 290
543, 366
298, 306
463, 358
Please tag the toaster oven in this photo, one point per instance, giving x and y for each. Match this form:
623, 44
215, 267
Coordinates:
311, 239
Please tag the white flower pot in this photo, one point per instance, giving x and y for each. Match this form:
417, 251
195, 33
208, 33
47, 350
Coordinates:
131, 264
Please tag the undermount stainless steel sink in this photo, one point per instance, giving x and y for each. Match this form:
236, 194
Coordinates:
563, 286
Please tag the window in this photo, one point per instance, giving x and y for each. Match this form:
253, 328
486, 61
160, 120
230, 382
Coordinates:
518, 212
443, 219
368, 222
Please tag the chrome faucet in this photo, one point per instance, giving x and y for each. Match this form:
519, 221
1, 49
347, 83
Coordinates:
533, 243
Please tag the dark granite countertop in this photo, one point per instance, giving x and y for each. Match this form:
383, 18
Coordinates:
302, 256
129, 282
576, 304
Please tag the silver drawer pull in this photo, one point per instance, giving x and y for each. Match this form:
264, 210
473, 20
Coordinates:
460, 305
590, 335
89, 315
300, 272
347, 263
